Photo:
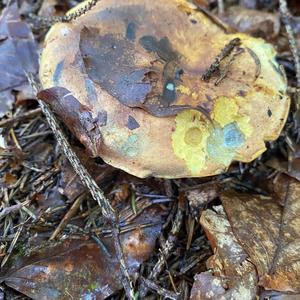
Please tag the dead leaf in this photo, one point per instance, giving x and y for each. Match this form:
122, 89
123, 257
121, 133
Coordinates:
8, 180
18, 55
199, 197
80, 268
70, 184
76, 116
281, 164
270, 234
258, 23
233, 276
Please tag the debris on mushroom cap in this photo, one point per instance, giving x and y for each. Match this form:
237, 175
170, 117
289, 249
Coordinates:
181, 97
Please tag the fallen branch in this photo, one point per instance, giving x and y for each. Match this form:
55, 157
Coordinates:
286, 18
107, 210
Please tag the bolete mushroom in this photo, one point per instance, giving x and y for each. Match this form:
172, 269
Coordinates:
172, 94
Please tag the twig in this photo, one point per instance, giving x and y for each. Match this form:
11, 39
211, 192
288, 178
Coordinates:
71, 212
170, 243
48, 21
158, 289
97, 194
223, 54
29, 114
286, 18
11, 209
12, 245
166, 248
225, 72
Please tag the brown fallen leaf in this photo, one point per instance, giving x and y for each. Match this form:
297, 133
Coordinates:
76, 116
70, 184
199, 197
233, 276
270, 234
18, 55
80, 268
291, 168
255, 22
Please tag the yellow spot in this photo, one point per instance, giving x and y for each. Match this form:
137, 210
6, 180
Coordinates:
226, 111
183, 90
193, 136
186, 91
189, 139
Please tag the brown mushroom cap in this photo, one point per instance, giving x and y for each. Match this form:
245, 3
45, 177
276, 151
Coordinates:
140, 64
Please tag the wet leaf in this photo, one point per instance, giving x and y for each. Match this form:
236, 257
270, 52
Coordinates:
80, 268
233, 276
18, 55
76, 116
270, 234
71, 185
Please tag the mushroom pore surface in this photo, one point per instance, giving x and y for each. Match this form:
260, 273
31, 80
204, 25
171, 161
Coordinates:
172, 94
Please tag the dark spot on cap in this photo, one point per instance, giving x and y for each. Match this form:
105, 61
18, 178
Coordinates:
132, 123
208, 97
178, 74
101, 118
162, 47
193, 21
242, 93
131, 31
169, 92
269, 112
57, 72
115, 71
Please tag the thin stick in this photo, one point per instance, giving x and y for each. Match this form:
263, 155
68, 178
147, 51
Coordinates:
166, 249
29, 114
97, 194
286, 18
223, 54
158, 289
48, 21
71, 212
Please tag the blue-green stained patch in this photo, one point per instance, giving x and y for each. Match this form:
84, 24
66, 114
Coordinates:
91, 91
223, 142
233, 137
130, 147
57, 72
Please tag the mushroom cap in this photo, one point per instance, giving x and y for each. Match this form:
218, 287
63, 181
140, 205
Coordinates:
140, 63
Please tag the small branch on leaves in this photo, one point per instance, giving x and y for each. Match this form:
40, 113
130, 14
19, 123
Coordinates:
286, 18
107, 210
215, 66
48, 21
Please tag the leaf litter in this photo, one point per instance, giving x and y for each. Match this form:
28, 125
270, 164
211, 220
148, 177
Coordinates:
53, 238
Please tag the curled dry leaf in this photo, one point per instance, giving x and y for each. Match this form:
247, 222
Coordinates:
255, 22
18, 55
233, 276
76, 116
79, 268
270, 234
177, 96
